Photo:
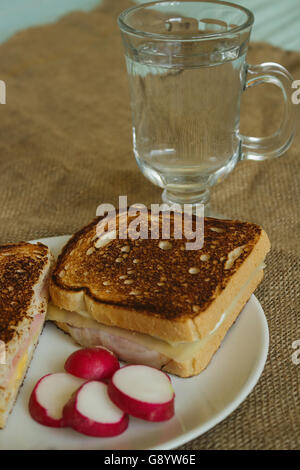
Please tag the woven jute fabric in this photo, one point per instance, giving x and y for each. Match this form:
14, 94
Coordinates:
66, 147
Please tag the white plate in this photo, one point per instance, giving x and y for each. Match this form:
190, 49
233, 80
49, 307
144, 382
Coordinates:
201, 402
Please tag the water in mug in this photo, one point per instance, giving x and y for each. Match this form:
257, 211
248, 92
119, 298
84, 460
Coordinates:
185, 117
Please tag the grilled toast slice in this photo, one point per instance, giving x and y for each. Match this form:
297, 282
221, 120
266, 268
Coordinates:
176, 295
24, 274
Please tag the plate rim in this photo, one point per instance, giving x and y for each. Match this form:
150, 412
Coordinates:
234, 404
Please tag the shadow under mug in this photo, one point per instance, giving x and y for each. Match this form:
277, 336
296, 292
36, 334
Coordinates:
187, 69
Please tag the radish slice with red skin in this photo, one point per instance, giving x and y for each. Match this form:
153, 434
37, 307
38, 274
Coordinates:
90, 411
50, 395
92, 363
143, 392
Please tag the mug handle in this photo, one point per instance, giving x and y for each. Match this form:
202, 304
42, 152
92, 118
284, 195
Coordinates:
264, 148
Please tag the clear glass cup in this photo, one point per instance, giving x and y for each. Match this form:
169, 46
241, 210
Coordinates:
186, 62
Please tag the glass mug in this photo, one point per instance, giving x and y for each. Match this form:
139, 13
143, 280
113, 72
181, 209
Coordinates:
186, 62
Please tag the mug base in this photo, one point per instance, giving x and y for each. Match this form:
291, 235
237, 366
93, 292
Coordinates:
195, 199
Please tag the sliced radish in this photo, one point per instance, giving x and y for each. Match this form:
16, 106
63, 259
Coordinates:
143, 392
92, 363
50, 395
90, 411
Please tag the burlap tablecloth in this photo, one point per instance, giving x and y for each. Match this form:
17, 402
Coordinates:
65, 147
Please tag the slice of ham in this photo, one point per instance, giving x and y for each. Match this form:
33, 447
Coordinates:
123, 348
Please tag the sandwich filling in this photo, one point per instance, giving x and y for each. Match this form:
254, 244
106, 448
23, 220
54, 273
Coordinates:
15, 371
132, 346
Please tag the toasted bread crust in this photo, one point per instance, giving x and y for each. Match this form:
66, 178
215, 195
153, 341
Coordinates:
185, 307
21, 266
160, 278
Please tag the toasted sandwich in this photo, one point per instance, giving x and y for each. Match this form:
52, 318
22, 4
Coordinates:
153, 302
24, 275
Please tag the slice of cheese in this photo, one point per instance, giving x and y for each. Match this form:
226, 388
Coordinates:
177, 351
18, 372
20, 368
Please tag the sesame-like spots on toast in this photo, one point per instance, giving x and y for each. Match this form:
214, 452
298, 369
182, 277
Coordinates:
167, 281
21, 265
